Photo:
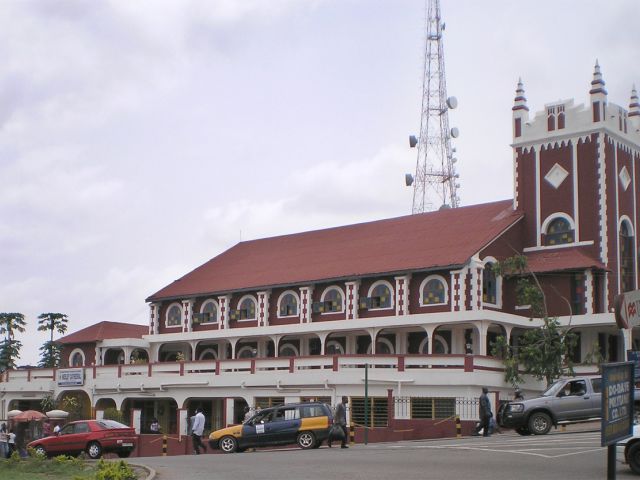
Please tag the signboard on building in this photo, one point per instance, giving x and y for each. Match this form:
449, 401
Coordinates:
617, 402
627, 309
70, 377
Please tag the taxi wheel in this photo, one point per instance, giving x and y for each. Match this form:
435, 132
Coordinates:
633, 458
94, 450
228, 444
306, 440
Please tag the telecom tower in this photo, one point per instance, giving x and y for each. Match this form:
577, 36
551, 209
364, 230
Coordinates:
435, 164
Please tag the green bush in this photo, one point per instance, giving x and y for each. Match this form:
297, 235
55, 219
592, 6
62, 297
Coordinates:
113, 414
114, 471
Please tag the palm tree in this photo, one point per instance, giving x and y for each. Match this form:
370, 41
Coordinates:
50, 351
10, 348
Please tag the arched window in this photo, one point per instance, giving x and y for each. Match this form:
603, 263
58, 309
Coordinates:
381, 296
333, 347
288, 305
489, 285
433, 291
174, 316
208, 354
247, 309
209, 312
383, 347
247, 352
559, 232
332, 300
627, 254
288, 350
76, 359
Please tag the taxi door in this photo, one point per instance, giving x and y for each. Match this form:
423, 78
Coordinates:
283, 427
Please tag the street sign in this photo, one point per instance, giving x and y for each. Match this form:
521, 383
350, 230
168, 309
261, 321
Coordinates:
627, 309
617, 409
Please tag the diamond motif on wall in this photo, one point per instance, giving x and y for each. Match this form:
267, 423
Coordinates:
625, 178
556, 176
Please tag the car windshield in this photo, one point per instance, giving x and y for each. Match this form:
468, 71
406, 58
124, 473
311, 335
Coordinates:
553, 390
108, 424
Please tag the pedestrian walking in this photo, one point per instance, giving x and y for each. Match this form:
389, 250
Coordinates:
247, 413
11, 440
197, 429
4, 437
485, 412
340, 421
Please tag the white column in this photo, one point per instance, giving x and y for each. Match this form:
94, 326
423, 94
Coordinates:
223, 302
402, 295
351, 300
263, 308
187, 315
305, 304
154, 318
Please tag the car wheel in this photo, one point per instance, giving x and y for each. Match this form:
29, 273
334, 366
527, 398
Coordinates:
228, 444
633, 458
94, 450
124, 453
40, 450
539, 423
306, 440
523, 431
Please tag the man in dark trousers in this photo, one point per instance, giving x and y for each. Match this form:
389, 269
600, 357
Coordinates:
485, 412
340, 419
197, 429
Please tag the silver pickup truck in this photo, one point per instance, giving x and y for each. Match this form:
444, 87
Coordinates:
568, 400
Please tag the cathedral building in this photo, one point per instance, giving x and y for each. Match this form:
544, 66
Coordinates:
411, 303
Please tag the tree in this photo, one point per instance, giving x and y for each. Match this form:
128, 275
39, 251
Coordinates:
10, 323
50, 356
544, 352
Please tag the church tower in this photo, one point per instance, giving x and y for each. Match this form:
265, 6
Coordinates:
576, 177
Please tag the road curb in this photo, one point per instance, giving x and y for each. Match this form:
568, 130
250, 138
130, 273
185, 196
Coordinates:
151, 473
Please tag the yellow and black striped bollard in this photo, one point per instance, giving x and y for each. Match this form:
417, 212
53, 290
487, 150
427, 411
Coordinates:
352, 433
164, 445
458, 427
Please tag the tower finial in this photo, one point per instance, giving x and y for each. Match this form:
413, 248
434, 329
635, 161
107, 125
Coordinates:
634, 104
597, 84
520, 102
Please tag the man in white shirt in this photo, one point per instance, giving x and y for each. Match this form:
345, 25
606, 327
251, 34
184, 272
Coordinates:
197, 429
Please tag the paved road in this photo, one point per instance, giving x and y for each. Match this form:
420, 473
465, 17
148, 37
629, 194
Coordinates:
506, 456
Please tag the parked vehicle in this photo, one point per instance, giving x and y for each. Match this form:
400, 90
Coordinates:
631, 449
92, 436
568, 400
306, 424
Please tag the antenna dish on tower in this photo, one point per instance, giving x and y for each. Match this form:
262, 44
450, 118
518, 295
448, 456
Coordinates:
435, 171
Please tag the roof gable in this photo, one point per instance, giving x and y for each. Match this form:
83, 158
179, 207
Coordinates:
104, 331
430, 240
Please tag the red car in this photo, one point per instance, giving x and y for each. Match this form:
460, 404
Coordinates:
92, 436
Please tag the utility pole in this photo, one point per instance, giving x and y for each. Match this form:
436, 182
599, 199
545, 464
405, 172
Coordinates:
435, 166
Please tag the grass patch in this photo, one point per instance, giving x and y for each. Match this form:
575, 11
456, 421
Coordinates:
37, 467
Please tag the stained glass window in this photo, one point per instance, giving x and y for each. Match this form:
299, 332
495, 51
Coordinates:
247, 309
381, 297
209, 312
489, 284
174, 316
288, 305
333, 301
434, 292
627, 270
559, 232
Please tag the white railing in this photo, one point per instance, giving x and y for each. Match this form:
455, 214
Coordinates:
294, 365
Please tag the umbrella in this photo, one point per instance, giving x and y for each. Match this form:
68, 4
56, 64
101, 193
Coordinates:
29, 415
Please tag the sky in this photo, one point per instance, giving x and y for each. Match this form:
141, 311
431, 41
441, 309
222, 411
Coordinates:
140, 139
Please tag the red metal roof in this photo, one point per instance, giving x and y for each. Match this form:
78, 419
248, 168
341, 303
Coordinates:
414, 242
104, 331
561, 259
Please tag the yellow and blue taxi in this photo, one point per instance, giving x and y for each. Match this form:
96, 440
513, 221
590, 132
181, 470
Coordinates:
307, 424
